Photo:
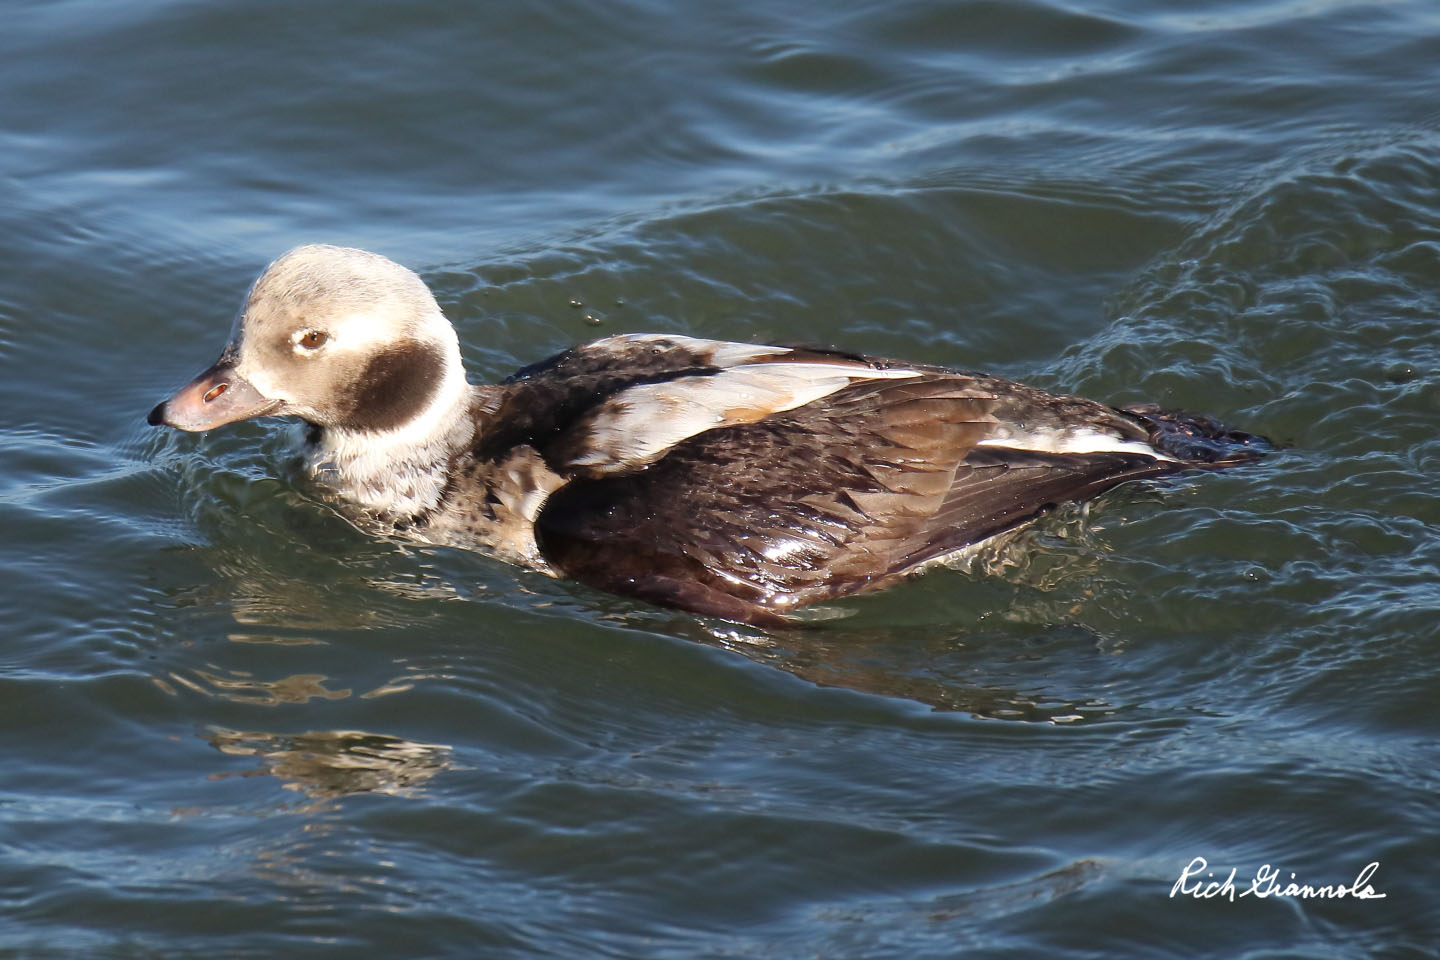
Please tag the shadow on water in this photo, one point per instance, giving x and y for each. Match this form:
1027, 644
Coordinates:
885, 662
1021, 598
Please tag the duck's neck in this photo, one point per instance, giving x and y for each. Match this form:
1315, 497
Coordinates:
399, 476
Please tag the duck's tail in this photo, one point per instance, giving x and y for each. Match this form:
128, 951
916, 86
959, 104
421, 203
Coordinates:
1199, 440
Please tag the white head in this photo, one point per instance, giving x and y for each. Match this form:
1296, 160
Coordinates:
339, 337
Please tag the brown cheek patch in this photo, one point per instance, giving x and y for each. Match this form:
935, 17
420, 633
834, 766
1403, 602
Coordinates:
395, 387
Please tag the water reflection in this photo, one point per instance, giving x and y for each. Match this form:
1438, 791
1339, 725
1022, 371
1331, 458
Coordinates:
326, 764
891, 663
296, 688
1040, 583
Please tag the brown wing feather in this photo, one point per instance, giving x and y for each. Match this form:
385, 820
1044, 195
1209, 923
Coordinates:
800, 506
750, 521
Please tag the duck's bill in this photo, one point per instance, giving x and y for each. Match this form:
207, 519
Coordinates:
218, 396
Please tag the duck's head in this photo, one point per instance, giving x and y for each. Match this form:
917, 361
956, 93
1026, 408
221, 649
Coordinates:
339, 337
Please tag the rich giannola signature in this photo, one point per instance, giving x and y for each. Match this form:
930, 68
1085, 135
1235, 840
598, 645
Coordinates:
1199, 882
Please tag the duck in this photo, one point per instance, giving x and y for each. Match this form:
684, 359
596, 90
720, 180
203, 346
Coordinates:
729, 480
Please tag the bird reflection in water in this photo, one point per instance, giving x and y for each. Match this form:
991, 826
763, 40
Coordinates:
296, 688
326, 764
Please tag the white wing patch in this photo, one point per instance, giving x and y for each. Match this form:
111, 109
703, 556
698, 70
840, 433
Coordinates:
639, 425
1073, 441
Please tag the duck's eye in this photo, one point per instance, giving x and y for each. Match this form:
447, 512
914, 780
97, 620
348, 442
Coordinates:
313, 339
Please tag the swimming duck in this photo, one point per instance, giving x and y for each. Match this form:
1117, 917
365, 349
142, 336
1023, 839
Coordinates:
740, 481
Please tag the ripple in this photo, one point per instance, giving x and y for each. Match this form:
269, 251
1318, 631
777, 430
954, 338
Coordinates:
240, 726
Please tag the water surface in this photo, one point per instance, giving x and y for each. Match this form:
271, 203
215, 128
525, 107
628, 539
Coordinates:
238, 727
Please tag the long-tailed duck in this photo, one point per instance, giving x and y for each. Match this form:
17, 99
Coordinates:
740, 481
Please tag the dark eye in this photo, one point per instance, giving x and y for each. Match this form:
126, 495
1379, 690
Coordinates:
312, 339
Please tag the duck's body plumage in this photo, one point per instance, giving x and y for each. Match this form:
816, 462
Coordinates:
735, 480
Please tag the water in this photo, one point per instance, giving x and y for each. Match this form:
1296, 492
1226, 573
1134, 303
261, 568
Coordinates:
240, 728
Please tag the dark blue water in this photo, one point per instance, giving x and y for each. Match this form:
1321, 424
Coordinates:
238, 727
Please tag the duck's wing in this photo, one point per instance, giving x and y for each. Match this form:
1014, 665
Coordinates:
616, 406
752, 518
621, 403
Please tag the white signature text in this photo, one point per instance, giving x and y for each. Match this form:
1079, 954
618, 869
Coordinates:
1199, 882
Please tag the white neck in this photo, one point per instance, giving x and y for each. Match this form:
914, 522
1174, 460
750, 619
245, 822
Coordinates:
400, 473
